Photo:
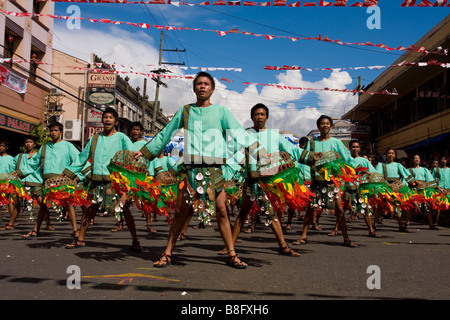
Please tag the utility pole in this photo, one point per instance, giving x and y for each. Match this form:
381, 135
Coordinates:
158, 80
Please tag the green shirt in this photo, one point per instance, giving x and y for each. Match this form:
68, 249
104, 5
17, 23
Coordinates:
159, 165
21, 163
395, 171
331, 144
443, 176
99, 152
7, 164
423, 174
206, 131
51, 159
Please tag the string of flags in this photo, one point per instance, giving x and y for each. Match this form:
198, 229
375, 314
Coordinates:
131, 69
354, 91
320, 3
401, 64
420, 49
189, 77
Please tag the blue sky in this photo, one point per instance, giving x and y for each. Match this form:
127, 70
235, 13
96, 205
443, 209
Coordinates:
293, 111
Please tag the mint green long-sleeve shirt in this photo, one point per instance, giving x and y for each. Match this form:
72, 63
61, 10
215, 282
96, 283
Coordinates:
206, 132
443, 177
99, 154
21, 163
50, 160
395, 171
422, 174
7, 164
331, 144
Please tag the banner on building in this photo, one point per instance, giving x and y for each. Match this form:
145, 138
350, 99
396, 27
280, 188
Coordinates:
12, 81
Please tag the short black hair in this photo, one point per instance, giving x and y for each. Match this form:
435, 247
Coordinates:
204, 74
137, 124
56, 124
259, 106
5, 141
324, 117
303, 140
353, 141
111, 111
30, 137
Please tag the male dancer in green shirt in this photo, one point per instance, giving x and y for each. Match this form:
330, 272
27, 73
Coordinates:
32, 181
100, 149
50, 161
206, 126
273, 142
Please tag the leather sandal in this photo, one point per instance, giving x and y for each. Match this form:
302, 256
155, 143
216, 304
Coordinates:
166, 259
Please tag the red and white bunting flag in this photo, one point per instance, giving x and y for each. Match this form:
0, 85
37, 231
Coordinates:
324, 3
206, 3
117, 22
104, 20
250, 3
159, 27
233, 31
425, 3
265, 4
295, 4
279, 2
309, 4
219, 3
370, 3
356, 4
144, 25
222, 33
269, 37
408, 3
440, 3
132, 24
91, 20
234, 3
170, 28
340, 3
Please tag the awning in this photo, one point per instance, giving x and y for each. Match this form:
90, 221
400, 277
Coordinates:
428, 141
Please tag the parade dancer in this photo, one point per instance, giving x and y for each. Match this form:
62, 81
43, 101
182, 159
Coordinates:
32, 181
206, 126
323, 143
273, 142
422, 176
100, 149
394, 171
352, 192
50, 161
7, 166
441, 175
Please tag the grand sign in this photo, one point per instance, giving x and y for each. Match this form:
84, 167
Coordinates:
101, 80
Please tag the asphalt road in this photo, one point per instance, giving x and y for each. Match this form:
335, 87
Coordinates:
411, 265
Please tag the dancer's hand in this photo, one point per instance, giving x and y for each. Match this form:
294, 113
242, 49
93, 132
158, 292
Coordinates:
137, 154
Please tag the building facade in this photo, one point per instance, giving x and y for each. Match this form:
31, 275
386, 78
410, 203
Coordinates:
25, 68
417, 120
84, 89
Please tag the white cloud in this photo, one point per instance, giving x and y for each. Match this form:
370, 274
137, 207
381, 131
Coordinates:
139, 49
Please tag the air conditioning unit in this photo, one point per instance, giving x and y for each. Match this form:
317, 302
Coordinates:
72, 130
55, 91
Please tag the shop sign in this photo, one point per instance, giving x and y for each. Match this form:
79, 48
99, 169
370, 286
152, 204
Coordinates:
101, 80
9, 122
